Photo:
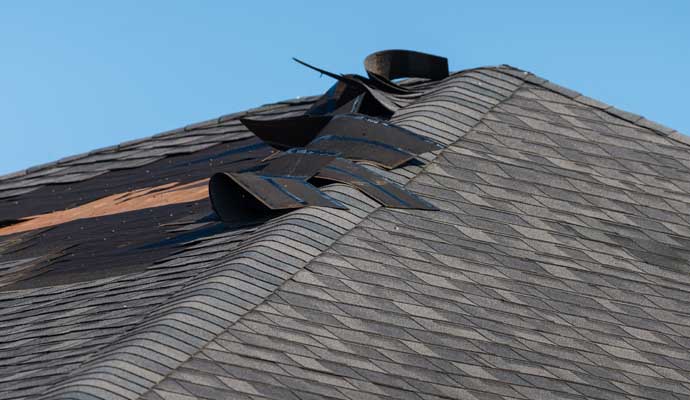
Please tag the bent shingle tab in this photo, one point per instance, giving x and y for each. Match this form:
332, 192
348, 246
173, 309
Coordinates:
555, 265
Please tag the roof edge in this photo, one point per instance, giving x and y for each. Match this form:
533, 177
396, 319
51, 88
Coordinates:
177, 131
210, 302
505, 68
578, 97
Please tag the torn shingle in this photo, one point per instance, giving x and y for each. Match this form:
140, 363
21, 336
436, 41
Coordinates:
555, 267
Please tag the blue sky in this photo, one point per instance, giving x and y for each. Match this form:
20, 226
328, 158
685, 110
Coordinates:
75, 76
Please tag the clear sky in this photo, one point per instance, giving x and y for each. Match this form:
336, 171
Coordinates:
75, 76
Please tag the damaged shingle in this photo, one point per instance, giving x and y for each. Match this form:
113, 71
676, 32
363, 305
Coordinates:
555, 268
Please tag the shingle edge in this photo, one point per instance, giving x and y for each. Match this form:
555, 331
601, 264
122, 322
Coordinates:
216, 314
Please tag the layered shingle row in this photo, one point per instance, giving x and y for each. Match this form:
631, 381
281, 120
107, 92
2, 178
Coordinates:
555, 268
212, 301
49, 331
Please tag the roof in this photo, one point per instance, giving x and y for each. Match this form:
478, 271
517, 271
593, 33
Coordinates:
555, 264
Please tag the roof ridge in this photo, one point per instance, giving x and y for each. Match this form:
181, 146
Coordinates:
424, 168
578, 97
219, 297
498, 198
427, 166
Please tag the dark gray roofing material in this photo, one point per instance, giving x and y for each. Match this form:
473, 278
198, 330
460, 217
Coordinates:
556, 268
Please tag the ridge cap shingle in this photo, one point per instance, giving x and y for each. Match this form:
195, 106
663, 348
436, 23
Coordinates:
428, 165
207, 303
627, 116
524, 75
93, 374
521, 319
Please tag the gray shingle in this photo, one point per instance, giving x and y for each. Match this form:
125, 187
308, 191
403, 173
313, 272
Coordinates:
555, 270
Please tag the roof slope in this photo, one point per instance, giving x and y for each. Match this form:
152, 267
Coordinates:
556, 268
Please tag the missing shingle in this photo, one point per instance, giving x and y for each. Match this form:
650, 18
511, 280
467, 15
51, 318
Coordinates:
148, 197
9, 222
104, 246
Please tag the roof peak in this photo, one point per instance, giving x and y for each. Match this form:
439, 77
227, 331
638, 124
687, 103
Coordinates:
542, 235
507, 68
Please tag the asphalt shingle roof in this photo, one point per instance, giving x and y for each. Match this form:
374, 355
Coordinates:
555, 267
